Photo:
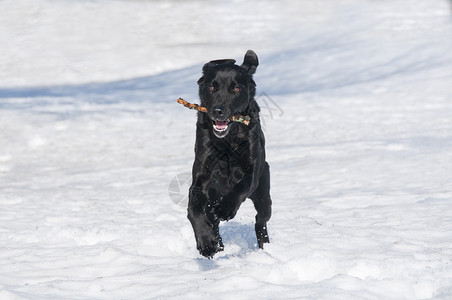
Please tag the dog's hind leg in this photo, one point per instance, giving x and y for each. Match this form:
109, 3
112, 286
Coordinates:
263, 204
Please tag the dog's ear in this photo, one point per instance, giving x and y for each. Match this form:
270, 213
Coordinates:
250, 62
217, 62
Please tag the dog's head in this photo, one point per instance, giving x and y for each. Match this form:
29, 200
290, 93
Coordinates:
226, 89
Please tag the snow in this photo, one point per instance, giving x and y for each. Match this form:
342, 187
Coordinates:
355, 97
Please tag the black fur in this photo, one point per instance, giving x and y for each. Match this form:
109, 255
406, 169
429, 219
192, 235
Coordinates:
229, 161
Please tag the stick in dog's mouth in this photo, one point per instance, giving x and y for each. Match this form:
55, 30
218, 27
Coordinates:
219, 125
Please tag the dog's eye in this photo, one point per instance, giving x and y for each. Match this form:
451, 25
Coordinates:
236, 90
211, 88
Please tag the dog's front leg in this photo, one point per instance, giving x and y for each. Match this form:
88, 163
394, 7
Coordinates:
204, 222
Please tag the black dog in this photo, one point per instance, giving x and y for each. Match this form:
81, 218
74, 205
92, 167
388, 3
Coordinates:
229, 161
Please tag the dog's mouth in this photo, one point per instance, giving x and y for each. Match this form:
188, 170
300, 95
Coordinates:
220, 128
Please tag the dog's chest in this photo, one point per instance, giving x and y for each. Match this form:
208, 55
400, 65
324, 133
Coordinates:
229, 163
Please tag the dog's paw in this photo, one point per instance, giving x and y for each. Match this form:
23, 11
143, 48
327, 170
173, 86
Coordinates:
262, 235
208, 247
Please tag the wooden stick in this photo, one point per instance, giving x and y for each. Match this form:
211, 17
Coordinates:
191, 106
238, 118
241, 119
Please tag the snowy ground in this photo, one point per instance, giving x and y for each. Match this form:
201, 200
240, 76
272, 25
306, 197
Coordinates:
91, 138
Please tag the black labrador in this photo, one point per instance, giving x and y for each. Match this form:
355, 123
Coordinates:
229, 161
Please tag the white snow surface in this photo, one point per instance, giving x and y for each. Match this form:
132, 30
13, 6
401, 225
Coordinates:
358, 121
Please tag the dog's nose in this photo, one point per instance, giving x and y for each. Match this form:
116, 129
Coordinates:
219, 112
